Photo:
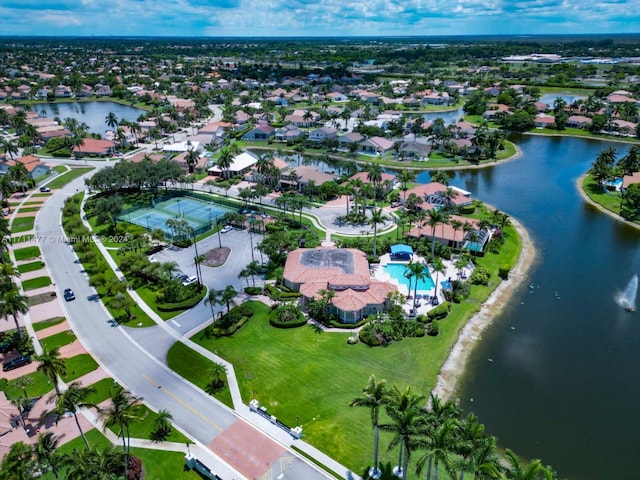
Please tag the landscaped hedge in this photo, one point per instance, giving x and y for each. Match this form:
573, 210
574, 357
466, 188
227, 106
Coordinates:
227, 332
274, 322
191, 302
335, 324
503, 271
439, 312
276, 294
253, 290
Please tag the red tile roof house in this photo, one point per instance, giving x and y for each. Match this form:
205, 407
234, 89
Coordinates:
628, 180
345, 271
447, 235
434, 193
91, 146
387, 181
32, 163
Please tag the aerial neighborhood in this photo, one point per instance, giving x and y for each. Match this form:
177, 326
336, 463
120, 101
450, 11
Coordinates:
214, 250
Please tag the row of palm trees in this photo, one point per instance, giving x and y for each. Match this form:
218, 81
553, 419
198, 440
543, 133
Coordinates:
440, 436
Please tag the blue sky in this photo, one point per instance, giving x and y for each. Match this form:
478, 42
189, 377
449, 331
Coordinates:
316, 17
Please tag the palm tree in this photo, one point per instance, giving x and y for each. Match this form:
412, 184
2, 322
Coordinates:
434, 218
213, 298
19, 174
161, 426
45, 453
192, 158
18, 463
218, 373
72, 400
121, 413
374, 395
418, 271
13, 303
439, 441
406, 176
228, 296
439, 268
52, 365
516, 470
224, 161
404, 410
111, 120
377, 217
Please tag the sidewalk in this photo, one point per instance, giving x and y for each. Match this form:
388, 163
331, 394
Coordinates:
273, 431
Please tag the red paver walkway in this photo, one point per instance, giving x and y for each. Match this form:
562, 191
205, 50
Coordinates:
250, 452
46, 310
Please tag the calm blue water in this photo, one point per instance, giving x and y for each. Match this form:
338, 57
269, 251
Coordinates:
449, 117
91, 113
396, 271
564, 383
550, 98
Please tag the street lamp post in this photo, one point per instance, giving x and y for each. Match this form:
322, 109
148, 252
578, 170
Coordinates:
209, 209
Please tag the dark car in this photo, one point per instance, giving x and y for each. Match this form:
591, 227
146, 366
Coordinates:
16, 362
69, 295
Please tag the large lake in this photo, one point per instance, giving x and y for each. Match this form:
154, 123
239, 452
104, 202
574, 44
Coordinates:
91, 113
563, 383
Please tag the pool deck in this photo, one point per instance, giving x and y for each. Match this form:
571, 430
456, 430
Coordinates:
424, 305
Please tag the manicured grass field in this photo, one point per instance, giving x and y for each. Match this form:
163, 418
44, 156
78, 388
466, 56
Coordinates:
158, 464
58, 340
103, 390
28, 209
302, 374
37, 282
26, 253
68, 177
60, 168
47, 323
22, 224
194, 368
30, 267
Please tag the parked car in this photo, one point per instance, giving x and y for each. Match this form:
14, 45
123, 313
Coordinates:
226, 228
45, 189
180, 277
69, 295
16, 362
190, 280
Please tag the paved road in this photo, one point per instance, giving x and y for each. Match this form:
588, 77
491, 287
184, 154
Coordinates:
200, 416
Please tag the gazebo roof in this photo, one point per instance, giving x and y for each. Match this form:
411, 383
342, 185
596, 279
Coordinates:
401, 248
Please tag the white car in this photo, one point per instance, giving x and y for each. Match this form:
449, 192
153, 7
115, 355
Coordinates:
190, 280
226, 228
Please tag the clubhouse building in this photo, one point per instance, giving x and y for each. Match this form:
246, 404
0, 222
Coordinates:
344, 271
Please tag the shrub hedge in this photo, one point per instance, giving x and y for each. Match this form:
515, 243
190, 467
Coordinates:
191, 302
439, 312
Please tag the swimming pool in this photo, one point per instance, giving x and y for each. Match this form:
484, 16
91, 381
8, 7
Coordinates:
396, 271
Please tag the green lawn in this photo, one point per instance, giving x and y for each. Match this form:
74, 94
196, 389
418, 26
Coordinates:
158, 464
68, 177
194, 367
28, 210
58, 340
60, 168
299, 373
103, 390
37, 282
22, 224
143, 428
78, 366
27, 253
30, 267
48, 323
609, 200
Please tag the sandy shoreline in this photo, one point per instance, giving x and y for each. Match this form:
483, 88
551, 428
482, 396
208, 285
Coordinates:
454, 366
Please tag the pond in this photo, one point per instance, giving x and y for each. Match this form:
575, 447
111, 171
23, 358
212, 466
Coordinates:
555, 376
91, 113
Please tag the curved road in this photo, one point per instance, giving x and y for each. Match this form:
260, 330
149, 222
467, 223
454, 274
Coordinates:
199, 415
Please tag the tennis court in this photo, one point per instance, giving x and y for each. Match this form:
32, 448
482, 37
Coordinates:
198, 214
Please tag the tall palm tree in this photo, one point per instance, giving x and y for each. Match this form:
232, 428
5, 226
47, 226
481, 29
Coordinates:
404, 410
439, 441
52, 365
123, 410
439, 268
374, 395
434, 218
13, 303
111, 120
18, 463
418, 271
377, 217
72, 400
191, 158
213, 298
224, 161
19, 174
217, 373
161, 426
228, 296
517, 470
44, 452
405, 177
